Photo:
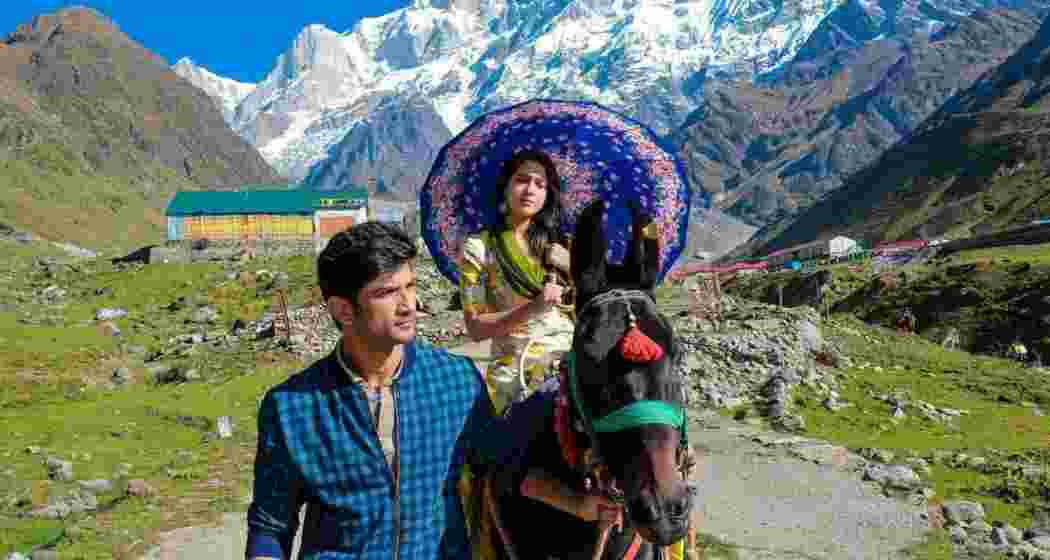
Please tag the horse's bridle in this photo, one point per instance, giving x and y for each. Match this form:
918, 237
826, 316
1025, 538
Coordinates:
630, 416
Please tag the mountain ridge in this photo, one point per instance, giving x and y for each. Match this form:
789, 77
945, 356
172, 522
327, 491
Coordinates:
96, 131
975, 164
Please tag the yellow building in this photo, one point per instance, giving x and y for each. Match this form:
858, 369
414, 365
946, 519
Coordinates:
264, 215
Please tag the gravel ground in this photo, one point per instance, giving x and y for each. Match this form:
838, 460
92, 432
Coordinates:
773, 506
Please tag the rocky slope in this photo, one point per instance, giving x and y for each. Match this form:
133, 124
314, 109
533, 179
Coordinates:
766, 151
226, 93
96, 132
977, 162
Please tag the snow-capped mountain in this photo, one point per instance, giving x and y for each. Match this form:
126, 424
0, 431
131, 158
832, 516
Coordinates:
227, 93
646, 57
460, 58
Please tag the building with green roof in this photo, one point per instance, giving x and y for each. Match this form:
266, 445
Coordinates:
270, 214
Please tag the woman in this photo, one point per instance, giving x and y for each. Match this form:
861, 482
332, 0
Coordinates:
508, 281
510, 294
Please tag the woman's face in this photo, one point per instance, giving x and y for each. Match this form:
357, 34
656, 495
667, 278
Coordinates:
527, 191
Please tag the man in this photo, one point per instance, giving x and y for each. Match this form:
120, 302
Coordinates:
372, 437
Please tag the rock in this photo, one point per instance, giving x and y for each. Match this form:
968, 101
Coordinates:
879, 455
893, 476
1042, 543
75, 501
107, 314
140, 488
976, 463
224, 427
60, 470
963, 511
790, 423
809, 334
919, 464
165, 373
939, 456
999, 537
1013, 534
957, 534
204, 315
822, 454
1036, 532
980, 528
97, 486
121, 376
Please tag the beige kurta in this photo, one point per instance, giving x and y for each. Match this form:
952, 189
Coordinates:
521, 359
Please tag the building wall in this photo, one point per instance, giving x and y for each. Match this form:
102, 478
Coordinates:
330, 222
241, 227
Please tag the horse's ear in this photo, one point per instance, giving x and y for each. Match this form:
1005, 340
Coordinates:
588, 253
642, 260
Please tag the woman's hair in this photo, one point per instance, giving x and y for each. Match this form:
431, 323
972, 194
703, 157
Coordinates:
543, 229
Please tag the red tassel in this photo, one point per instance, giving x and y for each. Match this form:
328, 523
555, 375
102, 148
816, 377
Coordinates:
639, 348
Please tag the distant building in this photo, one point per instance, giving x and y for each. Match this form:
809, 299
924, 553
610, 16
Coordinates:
264, 214
841, 246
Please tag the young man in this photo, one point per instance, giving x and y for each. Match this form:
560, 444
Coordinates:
372, 437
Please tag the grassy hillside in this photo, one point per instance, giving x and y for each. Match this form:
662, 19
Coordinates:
992, 297
96, 132
980, 160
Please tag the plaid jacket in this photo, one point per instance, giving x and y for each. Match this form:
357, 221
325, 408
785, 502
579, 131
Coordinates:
317, 445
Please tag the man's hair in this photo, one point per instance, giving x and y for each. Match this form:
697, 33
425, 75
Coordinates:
356, 256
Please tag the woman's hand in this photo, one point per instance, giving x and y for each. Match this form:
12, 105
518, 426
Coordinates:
547, 299
558, 256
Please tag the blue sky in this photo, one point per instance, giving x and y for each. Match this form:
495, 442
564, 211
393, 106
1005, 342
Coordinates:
233, 38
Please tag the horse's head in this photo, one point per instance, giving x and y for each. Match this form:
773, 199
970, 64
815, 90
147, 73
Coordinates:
632, 398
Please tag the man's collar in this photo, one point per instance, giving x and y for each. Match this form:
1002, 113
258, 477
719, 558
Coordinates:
353, 376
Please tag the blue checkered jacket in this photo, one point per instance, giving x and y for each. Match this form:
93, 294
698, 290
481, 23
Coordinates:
317, 446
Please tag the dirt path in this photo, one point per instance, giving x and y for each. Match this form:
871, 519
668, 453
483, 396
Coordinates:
760, 500
768, 504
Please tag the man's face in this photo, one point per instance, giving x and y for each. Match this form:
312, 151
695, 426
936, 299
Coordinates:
385, 313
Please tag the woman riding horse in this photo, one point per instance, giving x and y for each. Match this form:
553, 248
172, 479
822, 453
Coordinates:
614, 425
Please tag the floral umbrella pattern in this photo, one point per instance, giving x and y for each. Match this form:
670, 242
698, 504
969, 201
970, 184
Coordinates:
598, 153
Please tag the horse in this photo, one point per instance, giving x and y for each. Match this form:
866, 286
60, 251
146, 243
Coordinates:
615, 423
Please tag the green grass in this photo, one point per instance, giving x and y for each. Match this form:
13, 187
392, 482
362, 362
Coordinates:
54, 395
997, 393
158, 430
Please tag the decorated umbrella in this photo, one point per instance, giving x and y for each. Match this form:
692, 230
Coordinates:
599, 153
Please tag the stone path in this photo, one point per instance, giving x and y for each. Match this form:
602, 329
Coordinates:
764, 502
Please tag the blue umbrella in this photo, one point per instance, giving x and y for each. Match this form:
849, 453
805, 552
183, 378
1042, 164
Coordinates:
599, 153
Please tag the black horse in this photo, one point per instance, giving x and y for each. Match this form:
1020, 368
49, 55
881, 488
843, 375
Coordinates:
626, 417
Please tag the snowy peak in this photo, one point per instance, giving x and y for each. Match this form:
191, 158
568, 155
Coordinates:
316, 48
226, 93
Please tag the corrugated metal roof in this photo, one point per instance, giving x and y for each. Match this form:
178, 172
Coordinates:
261, 201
